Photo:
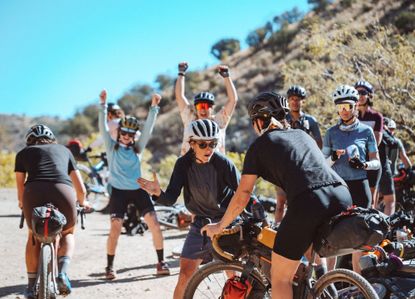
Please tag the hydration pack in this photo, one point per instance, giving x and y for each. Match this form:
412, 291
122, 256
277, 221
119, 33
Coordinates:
47, 223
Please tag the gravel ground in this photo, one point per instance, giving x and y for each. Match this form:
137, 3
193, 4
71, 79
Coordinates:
135, 260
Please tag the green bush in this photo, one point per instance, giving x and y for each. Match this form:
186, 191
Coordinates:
405, 22
7, 177
225, 48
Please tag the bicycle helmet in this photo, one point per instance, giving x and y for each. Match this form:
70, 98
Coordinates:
389, 123
366, 85
203, 129
112, 107
345, 94
39, 131
268, 104
297, 90
205, 97
129, 124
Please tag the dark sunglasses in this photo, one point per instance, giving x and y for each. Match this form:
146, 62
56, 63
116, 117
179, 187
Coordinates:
132, 135
363, 92
203, 144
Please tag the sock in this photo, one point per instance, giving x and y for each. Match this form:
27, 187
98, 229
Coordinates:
31, 279
63, 264
160, 254
110, 260
320, 270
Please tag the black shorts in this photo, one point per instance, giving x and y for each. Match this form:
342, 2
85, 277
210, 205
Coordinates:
305, 214
386, 185
121, 198
374, 178
62, 196
360, 191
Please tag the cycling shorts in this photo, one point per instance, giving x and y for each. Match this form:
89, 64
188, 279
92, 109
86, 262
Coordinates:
386, 185
62, 196
305, 214
193, 247
360, 191
374, 178
120, 199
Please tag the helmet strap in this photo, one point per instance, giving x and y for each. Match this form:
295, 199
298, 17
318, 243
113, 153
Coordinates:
268, 124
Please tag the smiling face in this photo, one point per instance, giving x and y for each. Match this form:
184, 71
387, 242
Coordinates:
126, 138
203, 110
363, 96
295, 103
203, 149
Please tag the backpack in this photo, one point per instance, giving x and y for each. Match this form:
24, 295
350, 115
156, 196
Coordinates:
357, 228
235, 288
47, 223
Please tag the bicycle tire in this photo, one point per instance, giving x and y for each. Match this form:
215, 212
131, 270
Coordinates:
96, 193
218, 267
45, 275
342, 276
167, 216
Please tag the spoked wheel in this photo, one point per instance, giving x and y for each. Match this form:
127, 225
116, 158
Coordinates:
208, 281
97, 193
167, 216
45, 273
342, 284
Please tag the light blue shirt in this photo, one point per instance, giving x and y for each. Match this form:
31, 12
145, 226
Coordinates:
362, 136
124, 164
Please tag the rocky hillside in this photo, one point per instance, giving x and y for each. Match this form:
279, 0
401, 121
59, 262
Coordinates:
346, 41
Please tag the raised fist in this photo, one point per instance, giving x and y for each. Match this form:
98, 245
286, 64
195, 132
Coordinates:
103, 96
155, 99
183, 66
223, 70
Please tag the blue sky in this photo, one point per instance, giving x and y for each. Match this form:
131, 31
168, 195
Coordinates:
56, 56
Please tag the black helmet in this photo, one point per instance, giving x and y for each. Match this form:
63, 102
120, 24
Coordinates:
39, 131
268, 104
205, 97
366, 85
297, 90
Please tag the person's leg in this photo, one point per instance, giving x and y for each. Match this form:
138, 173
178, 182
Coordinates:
154, 226
389, 202
115, 232
32, 259
187, 268
282, 273
388, 190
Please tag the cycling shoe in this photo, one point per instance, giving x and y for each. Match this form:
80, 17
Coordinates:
64, 285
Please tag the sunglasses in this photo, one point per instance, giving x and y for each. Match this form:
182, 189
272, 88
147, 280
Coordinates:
344, 107
132, 135
203, 145
363, 92
203, 106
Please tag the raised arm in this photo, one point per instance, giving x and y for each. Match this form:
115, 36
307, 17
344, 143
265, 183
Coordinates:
102, 119
150, 122
230, 105
181, 99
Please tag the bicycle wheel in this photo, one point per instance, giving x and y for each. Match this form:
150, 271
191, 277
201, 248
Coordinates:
97, 194
167, 216
208, 281
348, 284
44, 272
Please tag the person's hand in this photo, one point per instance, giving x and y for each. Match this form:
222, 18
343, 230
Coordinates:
211, 229
335, 155
223, 70
155, 99
86, 205
151, 187
183, 68
20, 204
356, 163
103, 97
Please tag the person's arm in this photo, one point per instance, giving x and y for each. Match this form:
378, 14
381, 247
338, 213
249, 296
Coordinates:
182, 101
315, 131
378, 129
230, 91
280, 206
20, 179
378, 137
403, 156
236, 206
79, 187
102, 119
150, 122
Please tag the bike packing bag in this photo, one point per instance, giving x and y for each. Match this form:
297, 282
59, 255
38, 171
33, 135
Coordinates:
47, 223
235, 288
351, 230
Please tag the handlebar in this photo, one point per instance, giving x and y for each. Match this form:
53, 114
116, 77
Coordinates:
21, 220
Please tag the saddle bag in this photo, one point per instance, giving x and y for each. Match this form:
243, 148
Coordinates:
47, 223
354, 229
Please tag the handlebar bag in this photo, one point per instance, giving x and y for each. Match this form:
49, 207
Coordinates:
47, 223
351, 230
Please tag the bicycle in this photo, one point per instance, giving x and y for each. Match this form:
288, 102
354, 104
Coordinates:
245, 251
46, 285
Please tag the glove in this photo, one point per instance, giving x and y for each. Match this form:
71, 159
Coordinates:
334, 156
223, 71
183, 68
356, 163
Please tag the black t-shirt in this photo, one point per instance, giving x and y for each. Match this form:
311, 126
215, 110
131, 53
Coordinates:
291, 160
46, 163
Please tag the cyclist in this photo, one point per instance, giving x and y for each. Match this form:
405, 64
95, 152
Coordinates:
346, 145
204, 103
291, 160
297, 118
374, 120
209, 179
46, 173
124, 160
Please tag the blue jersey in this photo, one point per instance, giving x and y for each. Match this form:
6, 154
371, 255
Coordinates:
336, 139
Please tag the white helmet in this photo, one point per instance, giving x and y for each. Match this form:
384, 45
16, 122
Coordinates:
202, 129
345, 94
39, 131
390, 123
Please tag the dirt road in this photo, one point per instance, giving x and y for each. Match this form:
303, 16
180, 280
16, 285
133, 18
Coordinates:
135, 260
